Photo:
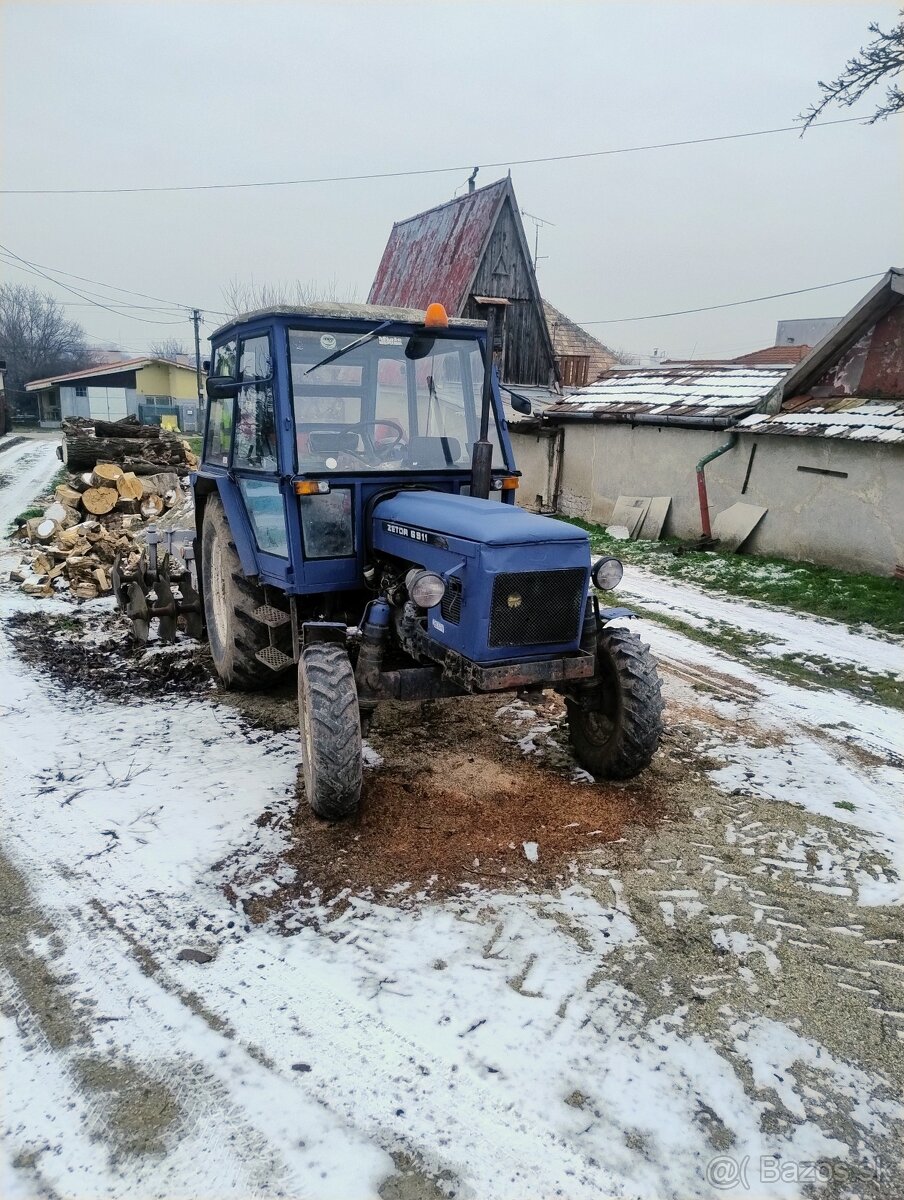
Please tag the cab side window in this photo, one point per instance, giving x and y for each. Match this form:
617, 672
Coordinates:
219, 419
255, 433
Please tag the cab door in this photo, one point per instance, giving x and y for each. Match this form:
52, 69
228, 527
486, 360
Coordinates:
254, 455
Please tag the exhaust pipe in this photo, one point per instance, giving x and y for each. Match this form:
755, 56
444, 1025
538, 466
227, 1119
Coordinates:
482, 455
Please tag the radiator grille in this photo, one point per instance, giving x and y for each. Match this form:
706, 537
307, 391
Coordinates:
451, 602
535, 608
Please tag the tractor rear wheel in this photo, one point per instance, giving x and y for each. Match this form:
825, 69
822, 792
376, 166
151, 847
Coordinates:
616, 725
330, 731
230, 599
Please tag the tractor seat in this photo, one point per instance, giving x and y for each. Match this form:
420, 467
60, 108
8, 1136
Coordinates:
430, 453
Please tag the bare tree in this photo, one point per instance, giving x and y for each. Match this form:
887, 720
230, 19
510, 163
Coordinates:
170, 348
881, 59
37, 339
246, 297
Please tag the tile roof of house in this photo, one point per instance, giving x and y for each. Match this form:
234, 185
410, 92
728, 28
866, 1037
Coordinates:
114, 368
709, 395
780, 355
569, 338
847, 417
433, 256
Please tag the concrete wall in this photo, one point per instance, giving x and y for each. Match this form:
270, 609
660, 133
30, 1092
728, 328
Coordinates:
856, 522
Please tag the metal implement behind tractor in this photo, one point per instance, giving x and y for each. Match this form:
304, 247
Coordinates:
354, 516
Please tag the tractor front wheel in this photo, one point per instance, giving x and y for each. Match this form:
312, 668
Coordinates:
330, 731
616, 725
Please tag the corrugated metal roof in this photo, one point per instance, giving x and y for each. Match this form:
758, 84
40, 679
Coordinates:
669, 392
432, 257
850, 418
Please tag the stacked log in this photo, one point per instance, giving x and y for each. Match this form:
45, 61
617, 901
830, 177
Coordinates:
100, 512
138, 449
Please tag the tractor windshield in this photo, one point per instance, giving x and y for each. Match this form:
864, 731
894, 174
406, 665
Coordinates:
389, 404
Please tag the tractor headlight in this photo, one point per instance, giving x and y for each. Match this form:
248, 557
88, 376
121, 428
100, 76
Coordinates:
606, 573
425, 588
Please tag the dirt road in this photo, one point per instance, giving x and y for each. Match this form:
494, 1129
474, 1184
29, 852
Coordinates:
696, 990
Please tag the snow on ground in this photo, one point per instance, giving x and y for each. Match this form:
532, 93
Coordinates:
492, 1045
803, 636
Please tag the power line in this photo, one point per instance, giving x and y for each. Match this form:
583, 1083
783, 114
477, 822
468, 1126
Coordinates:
111, 287
510, 162
22, 264
732, 303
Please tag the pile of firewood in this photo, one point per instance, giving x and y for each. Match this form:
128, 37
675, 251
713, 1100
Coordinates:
138, 449
99, 513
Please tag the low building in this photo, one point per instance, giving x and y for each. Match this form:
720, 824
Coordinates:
580, 358
820, 446
142, 387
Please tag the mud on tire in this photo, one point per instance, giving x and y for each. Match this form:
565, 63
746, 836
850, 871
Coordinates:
616, 727
229, 600
330, 731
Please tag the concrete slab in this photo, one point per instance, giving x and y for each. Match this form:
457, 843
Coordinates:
651, 526
734, 525
630, 512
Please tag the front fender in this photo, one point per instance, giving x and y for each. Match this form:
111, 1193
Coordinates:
613, 614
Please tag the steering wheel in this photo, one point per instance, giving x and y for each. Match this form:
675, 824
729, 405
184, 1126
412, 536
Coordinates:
373, 454
386, 449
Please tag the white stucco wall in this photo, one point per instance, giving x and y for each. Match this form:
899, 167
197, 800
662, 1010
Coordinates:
855, 522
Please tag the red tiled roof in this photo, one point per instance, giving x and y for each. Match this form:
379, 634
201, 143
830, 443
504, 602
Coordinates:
790, 355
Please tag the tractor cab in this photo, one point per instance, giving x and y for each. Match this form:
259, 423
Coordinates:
355, 518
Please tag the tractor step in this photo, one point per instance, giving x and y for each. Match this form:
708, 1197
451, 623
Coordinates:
268, 615
274, 658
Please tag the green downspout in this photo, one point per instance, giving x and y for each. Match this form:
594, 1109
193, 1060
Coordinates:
701, 481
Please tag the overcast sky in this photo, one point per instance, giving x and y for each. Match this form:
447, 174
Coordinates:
133, 94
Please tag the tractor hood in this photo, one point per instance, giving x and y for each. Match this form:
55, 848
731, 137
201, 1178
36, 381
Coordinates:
439, 515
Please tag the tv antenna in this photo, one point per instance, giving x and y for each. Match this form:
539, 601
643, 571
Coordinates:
538, 221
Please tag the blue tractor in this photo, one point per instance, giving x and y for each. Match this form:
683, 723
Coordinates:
355, 518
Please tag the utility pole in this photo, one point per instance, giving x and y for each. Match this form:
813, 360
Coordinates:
196, 321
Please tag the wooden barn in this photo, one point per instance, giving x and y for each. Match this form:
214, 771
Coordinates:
470, 247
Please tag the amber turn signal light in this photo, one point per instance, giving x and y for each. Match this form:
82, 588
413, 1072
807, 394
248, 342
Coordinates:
436, 317
505, 483
311, 487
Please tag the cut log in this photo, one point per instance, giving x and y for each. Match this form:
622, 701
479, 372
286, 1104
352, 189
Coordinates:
128, 428
106, 475
100, 500
151, 507
81, 482
126, 504
56, 512
68, 495
161, 483
42, 565
130, 486
103, 583
85, 591
81, 453
42, 529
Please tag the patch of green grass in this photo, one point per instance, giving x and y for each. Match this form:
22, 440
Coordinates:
195, 443
846, 805
855, 599
745, 646
23, 517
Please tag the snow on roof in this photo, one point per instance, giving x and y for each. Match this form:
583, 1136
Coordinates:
852, 419
684, 391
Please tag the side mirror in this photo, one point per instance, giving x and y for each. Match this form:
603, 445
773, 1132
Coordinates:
205, 365
419, 346
521, 404
218, 388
